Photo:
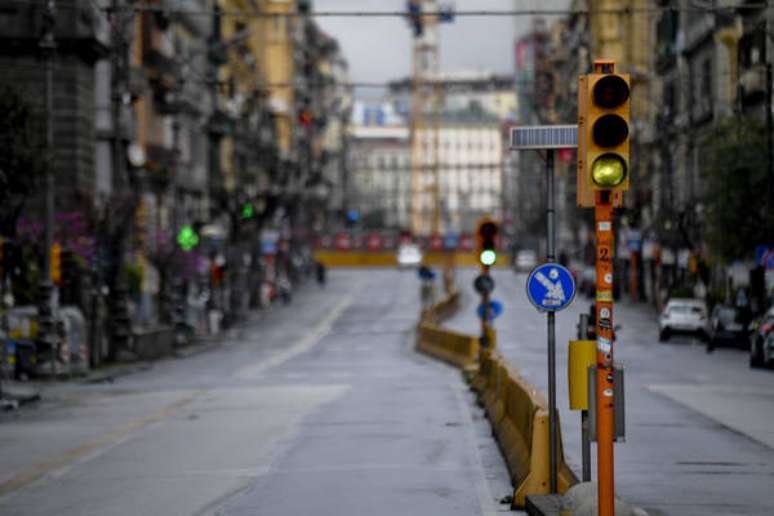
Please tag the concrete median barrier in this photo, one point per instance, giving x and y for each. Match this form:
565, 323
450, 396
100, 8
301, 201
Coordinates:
519, 418
456, 348
481, 377
493, 397
445, 308
517, 412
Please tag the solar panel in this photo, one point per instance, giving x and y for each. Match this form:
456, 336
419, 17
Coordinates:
544, 137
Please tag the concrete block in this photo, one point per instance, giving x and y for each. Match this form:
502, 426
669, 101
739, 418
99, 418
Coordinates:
581, 500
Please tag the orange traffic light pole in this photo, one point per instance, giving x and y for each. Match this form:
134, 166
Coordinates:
485, 316
486, 234
603, 217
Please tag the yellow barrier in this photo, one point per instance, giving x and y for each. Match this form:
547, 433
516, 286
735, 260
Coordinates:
582, 355
480, 380
517, 412
333, 259
456, 348
494, 396
519, 418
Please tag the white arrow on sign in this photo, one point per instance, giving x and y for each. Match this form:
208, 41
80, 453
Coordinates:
555, 290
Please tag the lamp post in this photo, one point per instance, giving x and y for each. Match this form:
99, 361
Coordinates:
46, 337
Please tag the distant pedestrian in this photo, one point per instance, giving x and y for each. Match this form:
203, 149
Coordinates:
320, 271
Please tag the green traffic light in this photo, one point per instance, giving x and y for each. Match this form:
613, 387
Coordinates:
247, 211
187, 238
488, 257
608, 170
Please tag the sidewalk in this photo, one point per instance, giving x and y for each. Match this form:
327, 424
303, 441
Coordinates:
16, 394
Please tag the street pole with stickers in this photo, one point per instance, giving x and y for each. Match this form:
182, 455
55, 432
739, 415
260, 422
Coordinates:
603, 176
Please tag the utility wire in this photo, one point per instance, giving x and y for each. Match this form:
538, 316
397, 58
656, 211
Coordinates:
155, 8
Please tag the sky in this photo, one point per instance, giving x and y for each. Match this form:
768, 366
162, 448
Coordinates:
379, 49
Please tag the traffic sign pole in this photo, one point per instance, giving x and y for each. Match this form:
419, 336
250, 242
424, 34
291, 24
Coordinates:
551, 318
549, 138
603, 217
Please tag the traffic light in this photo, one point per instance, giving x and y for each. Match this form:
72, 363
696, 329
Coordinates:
248, 211
603, 132
187, 238
305, 118
56, 264
487, 242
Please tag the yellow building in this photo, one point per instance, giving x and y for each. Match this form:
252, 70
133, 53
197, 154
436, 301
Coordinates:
260, 63
276, 42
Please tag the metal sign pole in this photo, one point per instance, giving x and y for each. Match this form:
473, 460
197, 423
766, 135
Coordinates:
603, 212
549, 138
551, 257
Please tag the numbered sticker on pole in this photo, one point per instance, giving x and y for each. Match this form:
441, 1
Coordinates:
550, 287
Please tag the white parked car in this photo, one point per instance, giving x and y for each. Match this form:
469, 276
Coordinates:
682, 315
409, 255
526, 260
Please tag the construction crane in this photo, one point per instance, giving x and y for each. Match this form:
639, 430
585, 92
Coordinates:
425, 117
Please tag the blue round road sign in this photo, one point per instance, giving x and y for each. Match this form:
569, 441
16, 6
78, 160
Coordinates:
495, 309
550, 287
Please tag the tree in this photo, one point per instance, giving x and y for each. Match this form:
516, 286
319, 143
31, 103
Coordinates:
735, 176
22, 156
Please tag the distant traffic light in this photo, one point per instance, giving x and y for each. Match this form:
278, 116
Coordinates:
187, 238
487, 242
305, 118
248, 211
56, 264
603, 127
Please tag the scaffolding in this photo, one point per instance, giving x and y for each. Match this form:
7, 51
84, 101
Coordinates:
425, 120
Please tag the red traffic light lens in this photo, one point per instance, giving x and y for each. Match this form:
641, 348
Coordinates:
611, 91
610, 130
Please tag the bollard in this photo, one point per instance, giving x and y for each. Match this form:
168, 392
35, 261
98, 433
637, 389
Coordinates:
582, 355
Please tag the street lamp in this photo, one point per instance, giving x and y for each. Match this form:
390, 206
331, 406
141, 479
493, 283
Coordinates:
46, 336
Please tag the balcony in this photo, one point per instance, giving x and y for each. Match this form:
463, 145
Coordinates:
752, 84
700, 28
81, 28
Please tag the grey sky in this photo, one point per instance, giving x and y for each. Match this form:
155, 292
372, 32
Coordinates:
379, 49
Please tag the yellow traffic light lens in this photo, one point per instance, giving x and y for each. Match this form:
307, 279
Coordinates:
608, 170
488, 257
610, 130
611, 91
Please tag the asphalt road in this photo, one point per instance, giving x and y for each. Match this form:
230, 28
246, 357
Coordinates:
321, 407
700, 427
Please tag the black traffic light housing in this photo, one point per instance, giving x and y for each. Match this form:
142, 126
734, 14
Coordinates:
487, 242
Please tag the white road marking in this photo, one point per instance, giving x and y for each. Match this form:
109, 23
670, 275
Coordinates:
302, 346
